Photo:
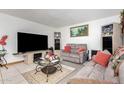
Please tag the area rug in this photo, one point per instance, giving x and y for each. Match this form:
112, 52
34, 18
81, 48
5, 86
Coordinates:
40, 77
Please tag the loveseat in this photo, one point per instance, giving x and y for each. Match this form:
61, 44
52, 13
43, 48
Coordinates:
73, 56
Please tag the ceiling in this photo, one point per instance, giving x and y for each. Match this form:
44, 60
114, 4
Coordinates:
61, 17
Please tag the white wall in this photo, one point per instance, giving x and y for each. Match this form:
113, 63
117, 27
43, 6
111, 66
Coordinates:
93, 40
10, 25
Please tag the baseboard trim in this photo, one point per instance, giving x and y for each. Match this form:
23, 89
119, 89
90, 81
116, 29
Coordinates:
15, 62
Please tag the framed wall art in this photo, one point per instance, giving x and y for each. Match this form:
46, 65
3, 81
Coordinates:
79, 31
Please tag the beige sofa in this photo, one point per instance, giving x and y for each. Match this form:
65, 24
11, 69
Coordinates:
95, 73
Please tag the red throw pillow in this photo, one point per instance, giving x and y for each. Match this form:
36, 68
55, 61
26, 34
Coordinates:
67, 49
80, 50
102, 58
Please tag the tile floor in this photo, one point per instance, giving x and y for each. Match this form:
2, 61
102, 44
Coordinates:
13, 74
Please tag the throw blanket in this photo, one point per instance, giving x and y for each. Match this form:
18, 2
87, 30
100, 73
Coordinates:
118, 53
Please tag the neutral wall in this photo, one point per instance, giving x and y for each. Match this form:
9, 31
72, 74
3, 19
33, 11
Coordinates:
93, 40
10, 25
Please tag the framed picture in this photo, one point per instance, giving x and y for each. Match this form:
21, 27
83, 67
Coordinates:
107, 29
57, 35
79, 31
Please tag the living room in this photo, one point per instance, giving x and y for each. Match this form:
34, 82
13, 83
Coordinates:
32, 33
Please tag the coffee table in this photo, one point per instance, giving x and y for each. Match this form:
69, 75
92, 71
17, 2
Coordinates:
48, 67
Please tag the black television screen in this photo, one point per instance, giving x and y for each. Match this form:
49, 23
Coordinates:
31, 42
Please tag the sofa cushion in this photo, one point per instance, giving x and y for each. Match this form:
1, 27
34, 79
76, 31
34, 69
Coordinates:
97, 73
74, 55
102, 58
109, 74
64, 53
91, 70
71, 59
90, 63
84, 72
81, 45
72, 45
77, 45
73, 50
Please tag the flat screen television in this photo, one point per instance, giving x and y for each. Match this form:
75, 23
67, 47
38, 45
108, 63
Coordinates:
31, 42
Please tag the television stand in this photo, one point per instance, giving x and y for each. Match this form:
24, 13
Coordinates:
29, 56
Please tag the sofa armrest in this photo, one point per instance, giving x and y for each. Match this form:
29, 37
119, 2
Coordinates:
88, 81
83, 56
84, 52
62, 50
